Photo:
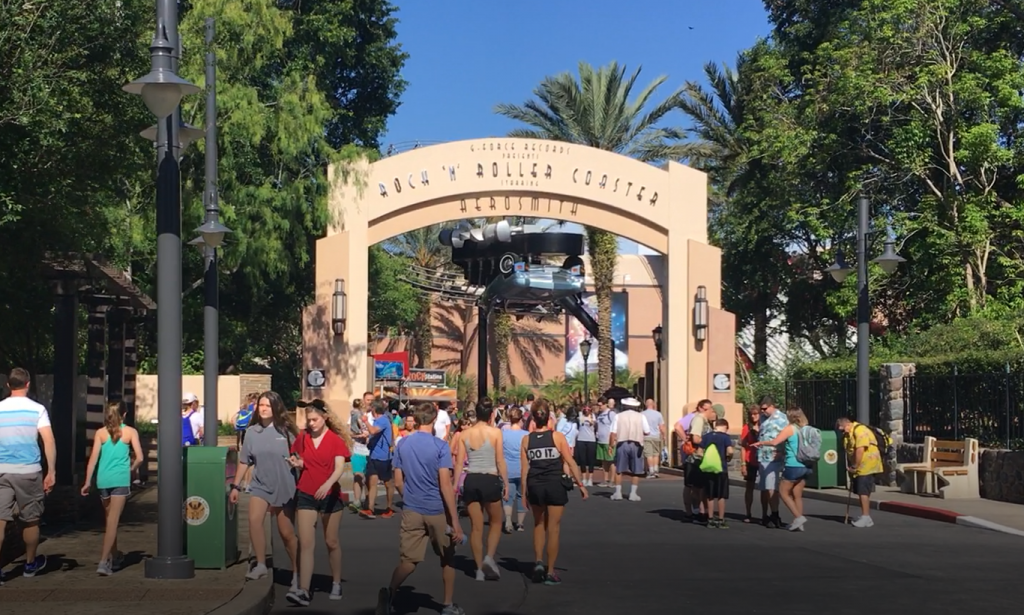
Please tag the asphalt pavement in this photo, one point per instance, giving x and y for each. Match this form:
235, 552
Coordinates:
640, 557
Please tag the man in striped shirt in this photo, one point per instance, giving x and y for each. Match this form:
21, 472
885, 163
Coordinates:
22, 423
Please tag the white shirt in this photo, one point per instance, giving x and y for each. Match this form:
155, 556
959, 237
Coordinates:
197, 421
20, 421
646, 424
441, 424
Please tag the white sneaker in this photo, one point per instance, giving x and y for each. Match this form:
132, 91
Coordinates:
336, 591
797, 524
258, 572
480, 576
615, 496
490, 569
864, 521
634, 497
295, 583
105, 568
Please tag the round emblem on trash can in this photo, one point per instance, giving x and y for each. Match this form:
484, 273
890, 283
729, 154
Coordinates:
831, 457
197, 510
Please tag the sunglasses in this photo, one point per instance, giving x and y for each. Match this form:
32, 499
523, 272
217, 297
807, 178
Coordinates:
764, 408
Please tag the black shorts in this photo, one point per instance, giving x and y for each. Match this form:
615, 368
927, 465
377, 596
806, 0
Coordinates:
546, 493
752, 469
716, 486
329, 505
863, 485
381, 468
482, 488
692, 476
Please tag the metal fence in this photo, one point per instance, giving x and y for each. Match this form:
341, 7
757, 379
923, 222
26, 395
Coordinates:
988, 407
827, 400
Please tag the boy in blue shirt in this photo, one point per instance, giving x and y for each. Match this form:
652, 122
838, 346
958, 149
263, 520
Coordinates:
423, 476
716, 490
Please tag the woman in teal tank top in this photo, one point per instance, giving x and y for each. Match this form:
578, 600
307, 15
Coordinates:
794, 472
111, 462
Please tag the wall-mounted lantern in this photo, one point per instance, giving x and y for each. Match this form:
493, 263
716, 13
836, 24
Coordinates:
339, 311
700, 314
656, 335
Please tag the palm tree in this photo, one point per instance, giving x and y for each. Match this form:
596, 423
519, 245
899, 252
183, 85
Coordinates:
424, 250
598, 109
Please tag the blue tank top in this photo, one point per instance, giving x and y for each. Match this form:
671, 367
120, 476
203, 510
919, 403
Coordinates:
188, 438
792, 444
512, 444
114, 468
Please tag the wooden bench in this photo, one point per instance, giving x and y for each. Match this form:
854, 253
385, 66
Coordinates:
949, 470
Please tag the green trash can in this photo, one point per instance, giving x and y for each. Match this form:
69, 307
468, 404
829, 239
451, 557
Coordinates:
830, 470
211, 521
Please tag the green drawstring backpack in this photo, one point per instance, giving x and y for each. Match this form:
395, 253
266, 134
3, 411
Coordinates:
712, 461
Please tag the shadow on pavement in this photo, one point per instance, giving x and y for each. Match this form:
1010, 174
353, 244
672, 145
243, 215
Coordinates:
834, 518
672, 514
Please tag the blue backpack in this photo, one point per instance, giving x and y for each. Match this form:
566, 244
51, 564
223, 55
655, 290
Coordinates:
244, 417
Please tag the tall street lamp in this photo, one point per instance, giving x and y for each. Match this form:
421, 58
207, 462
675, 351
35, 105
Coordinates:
656, 336
585, 346
888, 262
211, 236
162, 90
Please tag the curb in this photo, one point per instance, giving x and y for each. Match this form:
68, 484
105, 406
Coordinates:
891, 506
255, 598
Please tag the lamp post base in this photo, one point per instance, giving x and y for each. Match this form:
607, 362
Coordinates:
173, 567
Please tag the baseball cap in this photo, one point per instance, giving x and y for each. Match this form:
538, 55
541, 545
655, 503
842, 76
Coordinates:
189, 398
719, 410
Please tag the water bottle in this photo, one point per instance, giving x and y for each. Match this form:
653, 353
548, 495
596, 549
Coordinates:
451, 532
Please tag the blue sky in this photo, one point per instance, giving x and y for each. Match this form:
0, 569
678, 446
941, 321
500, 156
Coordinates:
468, 55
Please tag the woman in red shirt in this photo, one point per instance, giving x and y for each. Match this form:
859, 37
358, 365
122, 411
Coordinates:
748, 437
319, 454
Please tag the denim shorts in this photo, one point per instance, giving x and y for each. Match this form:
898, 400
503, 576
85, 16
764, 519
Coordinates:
105, 494
795, 474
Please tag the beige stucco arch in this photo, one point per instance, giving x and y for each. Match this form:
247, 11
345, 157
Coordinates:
663, 208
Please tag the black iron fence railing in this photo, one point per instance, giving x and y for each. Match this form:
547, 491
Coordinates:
988, 407
827, 400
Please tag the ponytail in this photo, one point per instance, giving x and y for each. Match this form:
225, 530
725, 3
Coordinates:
112, 417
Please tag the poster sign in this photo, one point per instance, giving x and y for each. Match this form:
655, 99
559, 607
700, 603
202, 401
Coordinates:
433, 377
722, 383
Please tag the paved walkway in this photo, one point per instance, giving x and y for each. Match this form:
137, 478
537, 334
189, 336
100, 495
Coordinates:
639, 557
71, 586
998, 516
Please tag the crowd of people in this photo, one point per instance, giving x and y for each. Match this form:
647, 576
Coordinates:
492, 462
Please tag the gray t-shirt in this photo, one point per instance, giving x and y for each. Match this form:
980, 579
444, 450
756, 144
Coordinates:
267, 449
655, 420
586, 429
604, 426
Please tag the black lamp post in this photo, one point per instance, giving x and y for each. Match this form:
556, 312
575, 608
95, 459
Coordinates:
162, 90
888, 261
585, 346
656, 336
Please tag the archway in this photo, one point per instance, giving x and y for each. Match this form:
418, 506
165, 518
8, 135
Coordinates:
663, 208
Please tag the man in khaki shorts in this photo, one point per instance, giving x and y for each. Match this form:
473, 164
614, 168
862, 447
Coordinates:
422, 466
654, 442
22, 484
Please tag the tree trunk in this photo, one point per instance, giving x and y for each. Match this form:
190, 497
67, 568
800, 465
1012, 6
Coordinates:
603, 248
761, 338
501, 341
423, 341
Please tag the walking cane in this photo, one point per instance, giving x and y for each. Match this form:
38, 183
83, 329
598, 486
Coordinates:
849, 497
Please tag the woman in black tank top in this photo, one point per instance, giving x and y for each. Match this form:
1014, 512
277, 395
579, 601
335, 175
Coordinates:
544, 452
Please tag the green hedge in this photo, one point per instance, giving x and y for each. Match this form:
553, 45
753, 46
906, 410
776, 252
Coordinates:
973, 362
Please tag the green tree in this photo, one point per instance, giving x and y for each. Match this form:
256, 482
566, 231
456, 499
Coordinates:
394, 304
598, 108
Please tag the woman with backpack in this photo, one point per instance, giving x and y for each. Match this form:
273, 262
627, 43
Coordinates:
796, 470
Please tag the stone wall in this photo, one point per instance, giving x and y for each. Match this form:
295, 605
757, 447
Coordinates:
1001, 471
891, 411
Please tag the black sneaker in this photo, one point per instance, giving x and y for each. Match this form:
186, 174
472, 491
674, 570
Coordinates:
775, 521
723, 524
300, 597
714, 523
552, 579
383, 602
540, 573
766, 521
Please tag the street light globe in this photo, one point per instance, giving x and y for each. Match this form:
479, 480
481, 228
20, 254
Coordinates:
187, 135
889, 260
213, 233
161, 91
839, 269
585, 349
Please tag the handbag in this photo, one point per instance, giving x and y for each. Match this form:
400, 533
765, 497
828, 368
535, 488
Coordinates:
567, 482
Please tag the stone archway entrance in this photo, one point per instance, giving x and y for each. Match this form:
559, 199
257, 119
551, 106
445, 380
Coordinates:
663, 208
